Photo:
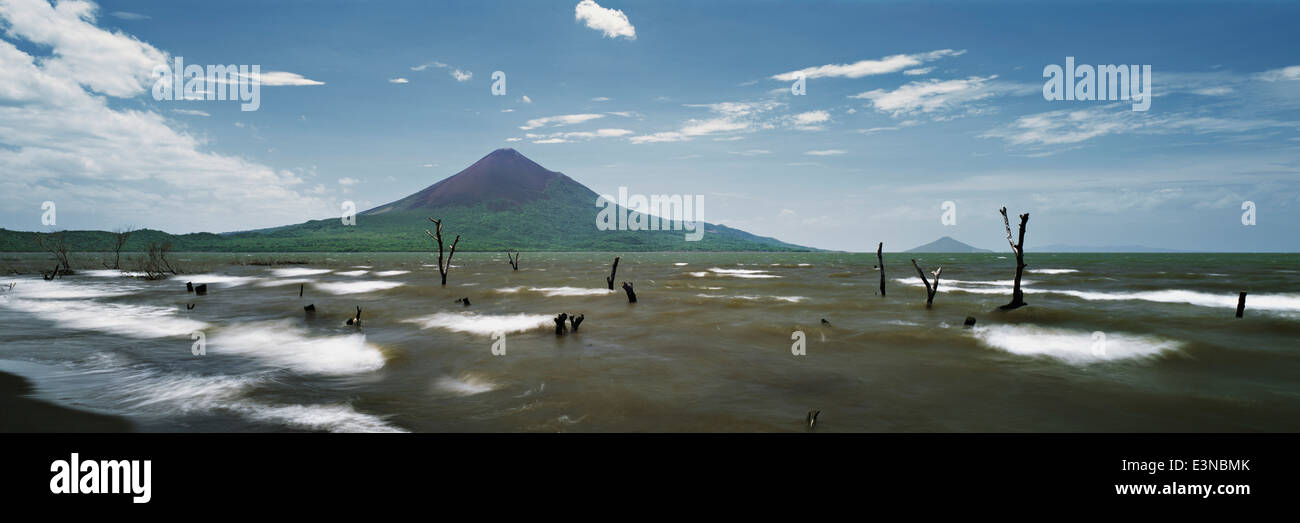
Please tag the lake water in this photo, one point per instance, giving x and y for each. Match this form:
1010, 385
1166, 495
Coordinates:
1108, 342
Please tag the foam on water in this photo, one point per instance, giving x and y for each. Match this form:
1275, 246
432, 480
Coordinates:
1051, 271
465, 385
282, 282
1072, 346
297, 271
352, 273
357, 287
1266, 302
132, 321
791, 299
223, 280
571, 291
391, 273
681, 264
282, 344
484, 324
110, 273
68, 290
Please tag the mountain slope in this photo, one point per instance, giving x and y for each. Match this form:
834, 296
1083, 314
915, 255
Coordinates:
946, 244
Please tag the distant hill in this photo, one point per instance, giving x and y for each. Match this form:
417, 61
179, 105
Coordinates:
946, 244
503, 201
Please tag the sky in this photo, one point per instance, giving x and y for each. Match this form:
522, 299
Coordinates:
904, 106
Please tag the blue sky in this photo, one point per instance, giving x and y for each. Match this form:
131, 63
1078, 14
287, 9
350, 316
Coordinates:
936, 102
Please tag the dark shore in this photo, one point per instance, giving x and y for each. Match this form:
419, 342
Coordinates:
24, 414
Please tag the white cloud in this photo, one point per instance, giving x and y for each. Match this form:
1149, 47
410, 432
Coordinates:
129, 164
427, 65
826, 152
600, 99
526, 99
1214, 91
190, 112
1283, 74
556, 121
281, 78
929, 96
567, 137
126, 15
918, 71
732, 117
398, 81
1075, 126
752, 152
612, 22
461, 76
348, 182
888, 64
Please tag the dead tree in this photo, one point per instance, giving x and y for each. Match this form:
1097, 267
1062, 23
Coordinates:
355, 320
929, 290
437, 236
881, 261
631, 296
1017, 247
119, 241
575, 321
560, 329
155, 265
55, 245
612, 272
514, 261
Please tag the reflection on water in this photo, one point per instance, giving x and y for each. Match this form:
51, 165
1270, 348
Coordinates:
707, 347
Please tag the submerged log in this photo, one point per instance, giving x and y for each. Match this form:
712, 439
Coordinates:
201, 289
464, 301
612, 272
576, 321
300, 287
310, 309
189, 286
1017, 247
356, 320
826, 323
811, 420
631, 296
1241, 303
970, 322
929, 291
559, 324
189, 306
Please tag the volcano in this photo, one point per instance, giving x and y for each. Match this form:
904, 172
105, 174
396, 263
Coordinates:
503, 201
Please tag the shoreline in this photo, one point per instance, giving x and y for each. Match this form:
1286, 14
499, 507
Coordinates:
23, 413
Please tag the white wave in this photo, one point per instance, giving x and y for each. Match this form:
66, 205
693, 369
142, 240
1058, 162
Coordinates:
110, 273
484, 324
283, 281
297, 271
465, 385
1072, 346
571, 291
357, 287
391, 273
1267, 302
361, 267
699, 274
352, 273
132, 321
69, 290
508, 290
282, 344
1051, 271
333, 418
188, 393
791, 299
681, 264
737, 271
223, 280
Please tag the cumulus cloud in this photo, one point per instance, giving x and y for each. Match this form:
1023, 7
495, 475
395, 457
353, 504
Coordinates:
929, 96
612, 22
888, 64
71, 144
398, 81
729, 117
461, 76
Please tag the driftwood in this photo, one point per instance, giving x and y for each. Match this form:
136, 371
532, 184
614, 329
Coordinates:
826, 323
970, 322
189, 306
437, 236
1017, 247
189, 286
612, 272
310, 309
929, 290
560, 329
1241, 304
881, 260
356, 320
575, 321
811, 420
631, 296
514, 261
201, 289
465, 301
